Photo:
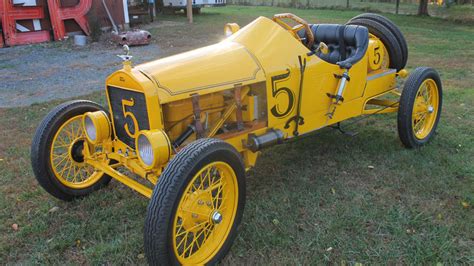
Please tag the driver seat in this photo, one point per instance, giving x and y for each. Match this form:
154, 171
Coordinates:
353, 38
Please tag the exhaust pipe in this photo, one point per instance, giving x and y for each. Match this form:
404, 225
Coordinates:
272, 137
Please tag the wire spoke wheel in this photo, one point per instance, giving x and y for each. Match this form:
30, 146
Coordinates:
425, 109
67, 160
57, 152
196, 206
205, 213
420, 107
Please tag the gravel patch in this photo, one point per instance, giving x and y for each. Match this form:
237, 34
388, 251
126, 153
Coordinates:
40, 73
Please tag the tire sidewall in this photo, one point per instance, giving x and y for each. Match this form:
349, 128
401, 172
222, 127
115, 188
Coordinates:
41, 147
210, 158
222, 152
388, 39
392, 27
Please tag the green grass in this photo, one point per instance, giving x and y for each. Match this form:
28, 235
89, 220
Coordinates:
459, 13
314, 201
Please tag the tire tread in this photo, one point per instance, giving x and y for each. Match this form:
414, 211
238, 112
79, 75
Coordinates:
404, 118
387, 38
390, 26
166, 192
39, 144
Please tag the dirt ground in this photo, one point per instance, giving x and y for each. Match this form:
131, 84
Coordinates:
40, 73
60, 70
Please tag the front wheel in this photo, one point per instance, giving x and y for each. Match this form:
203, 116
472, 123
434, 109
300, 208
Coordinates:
196, 206
56, 153
420, 107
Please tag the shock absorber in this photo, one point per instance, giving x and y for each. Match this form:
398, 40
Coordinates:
338, 97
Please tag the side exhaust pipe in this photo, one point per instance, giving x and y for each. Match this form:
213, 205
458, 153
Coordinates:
272, 137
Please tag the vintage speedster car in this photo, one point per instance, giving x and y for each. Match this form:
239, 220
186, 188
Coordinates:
183, 130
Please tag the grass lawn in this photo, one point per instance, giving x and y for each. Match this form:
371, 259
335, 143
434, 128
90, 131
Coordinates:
458, 13
313, 201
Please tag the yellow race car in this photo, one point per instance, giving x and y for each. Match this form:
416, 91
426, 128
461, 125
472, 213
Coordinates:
183, 130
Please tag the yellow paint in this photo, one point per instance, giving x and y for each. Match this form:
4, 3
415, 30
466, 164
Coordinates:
160, 145
231, 28
262, 59
71, 173
376, 53
209, 69
249, 104
129, 182
195, 237
101, 124
403, 73
176, 122
425, 109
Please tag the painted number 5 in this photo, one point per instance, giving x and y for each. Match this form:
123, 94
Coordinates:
132, 130
279, 110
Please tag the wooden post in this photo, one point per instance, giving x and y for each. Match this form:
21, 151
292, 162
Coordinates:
397, 7
347, 4
189, 11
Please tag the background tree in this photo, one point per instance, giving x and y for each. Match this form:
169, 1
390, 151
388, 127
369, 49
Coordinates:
423, 8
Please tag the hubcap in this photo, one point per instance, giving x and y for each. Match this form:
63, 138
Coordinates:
76, 151
217, 217
430, 109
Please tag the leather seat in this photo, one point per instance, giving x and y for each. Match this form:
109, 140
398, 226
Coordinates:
356, 40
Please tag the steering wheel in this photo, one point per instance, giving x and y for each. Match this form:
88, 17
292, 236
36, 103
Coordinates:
301, 24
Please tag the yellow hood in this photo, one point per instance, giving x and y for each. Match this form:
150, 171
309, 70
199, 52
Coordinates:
208, 69
260, 48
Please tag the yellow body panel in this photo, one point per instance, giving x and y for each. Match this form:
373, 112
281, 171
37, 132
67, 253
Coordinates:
209, 69
260, 61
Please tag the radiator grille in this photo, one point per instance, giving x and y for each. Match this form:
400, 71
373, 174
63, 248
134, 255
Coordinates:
129, 114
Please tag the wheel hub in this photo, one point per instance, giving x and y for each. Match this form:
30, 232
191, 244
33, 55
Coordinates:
216, 217
197, 209
430, 109
76, 151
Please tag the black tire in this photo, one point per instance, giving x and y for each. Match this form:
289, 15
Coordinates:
390, 26
171, 186
388, 39
41, 148
407, 100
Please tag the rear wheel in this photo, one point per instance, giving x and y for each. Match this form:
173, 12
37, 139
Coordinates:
390, 41
391, 27
420, 107
196, 206
56, 153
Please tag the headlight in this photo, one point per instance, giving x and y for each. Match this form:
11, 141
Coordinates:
97, 126
154, 148
90, 128
145, 151
231, 28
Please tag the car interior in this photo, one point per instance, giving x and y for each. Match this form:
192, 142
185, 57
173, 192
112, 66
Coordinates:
347, 44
